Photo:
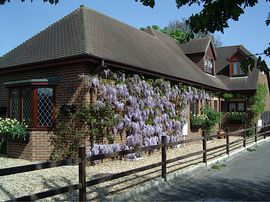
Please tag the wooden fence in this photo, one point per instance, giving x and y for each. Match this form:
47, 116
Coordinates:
82, 160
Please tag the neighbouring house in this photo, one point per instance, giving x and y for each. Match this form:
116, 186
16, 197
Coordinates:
42, 74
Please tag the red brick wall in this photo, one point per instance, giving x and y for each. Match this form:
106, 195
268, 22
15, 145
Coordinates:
68, 91
37, 148
69, 81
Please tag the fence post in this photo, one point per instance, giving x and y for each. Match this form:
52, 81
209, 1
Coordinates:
227, 141
204, 140
255, 131
244, 136
82, 173
264, 131
164, 157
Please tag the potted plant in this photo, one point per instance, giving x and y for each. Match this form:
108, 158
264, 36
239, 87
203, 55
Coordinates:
12, 129
236, 117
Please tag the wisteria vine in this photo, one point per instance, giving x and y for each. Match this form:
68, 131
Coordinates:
147, 109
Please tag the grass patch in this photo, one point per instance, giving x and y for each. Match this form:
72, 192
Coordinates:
251, 149
218, 166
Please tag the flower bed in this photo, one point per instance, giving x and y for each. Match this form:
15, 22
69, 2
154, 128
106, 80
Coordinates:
236, 117
197, 120
12, 129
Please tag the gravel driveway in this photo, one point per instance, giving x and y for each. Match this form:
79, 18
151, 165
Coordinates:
32, 182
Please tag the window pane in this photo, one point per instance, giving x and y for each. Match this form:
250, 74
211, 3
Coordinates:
232, 107
45, 107
235, 68
194, 107
208, 65
241, 106
26, 105
14, 103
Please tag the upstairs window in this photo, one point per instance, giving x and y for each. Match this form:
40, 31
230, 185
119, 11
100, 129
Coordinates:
236, 69
209, 65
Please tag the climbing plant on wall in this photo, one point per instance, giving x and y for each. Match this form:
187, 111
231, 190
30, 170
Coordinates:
144, 109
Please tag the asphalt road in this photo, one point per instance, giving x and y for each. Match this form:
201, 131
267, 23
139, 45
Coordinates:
245, 177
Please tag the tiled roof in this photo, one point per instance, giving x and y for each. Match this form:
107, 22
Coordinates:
87, 32
199, 45
222, 69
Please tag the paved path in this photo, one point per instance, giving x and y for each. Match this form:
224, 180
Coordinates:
245, 177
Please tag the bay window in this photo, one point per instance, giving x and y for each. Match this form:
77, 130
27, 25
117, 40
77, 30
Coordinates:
33, 105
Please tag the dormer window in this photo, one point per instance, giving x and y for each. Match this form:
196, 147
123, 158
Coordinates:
236, 69
209, 65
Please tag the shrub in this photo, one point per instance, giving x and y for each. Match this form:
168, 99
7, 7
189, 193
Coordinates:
257, 103
212, 118
12, 128
198, 120
239, 117
66, 140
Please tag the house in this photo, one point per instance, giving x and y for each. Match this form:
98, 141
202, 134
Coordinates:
41, 75
223, 64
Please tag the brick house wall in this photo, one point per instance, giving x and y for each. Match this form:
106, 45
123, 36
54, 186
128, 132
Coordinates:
68, 91
193, 133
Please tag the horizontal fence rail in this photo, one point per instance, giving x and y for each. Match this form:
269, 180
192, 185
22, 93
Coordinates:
82, 159
48, 193
37, 166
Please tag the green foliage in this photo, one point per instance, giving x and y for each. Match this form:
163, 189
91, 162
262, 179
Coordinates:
198, 120
12, 128
251, 149
66, 139
249, 63
176, 33
257, 102
213, 118
100, 119
94, 123
218, 166
239, 117
227, 96
180, 35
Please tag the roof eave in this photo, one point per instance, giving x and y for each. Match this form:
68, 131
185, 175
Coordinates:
88, 58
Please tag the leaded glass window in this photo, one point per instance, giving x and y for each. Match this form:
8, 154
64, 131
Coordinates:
45, 107
26, 105
14, 103
33, 105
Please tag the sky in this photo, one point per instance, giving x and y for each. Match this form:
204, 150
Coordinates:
20, 21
